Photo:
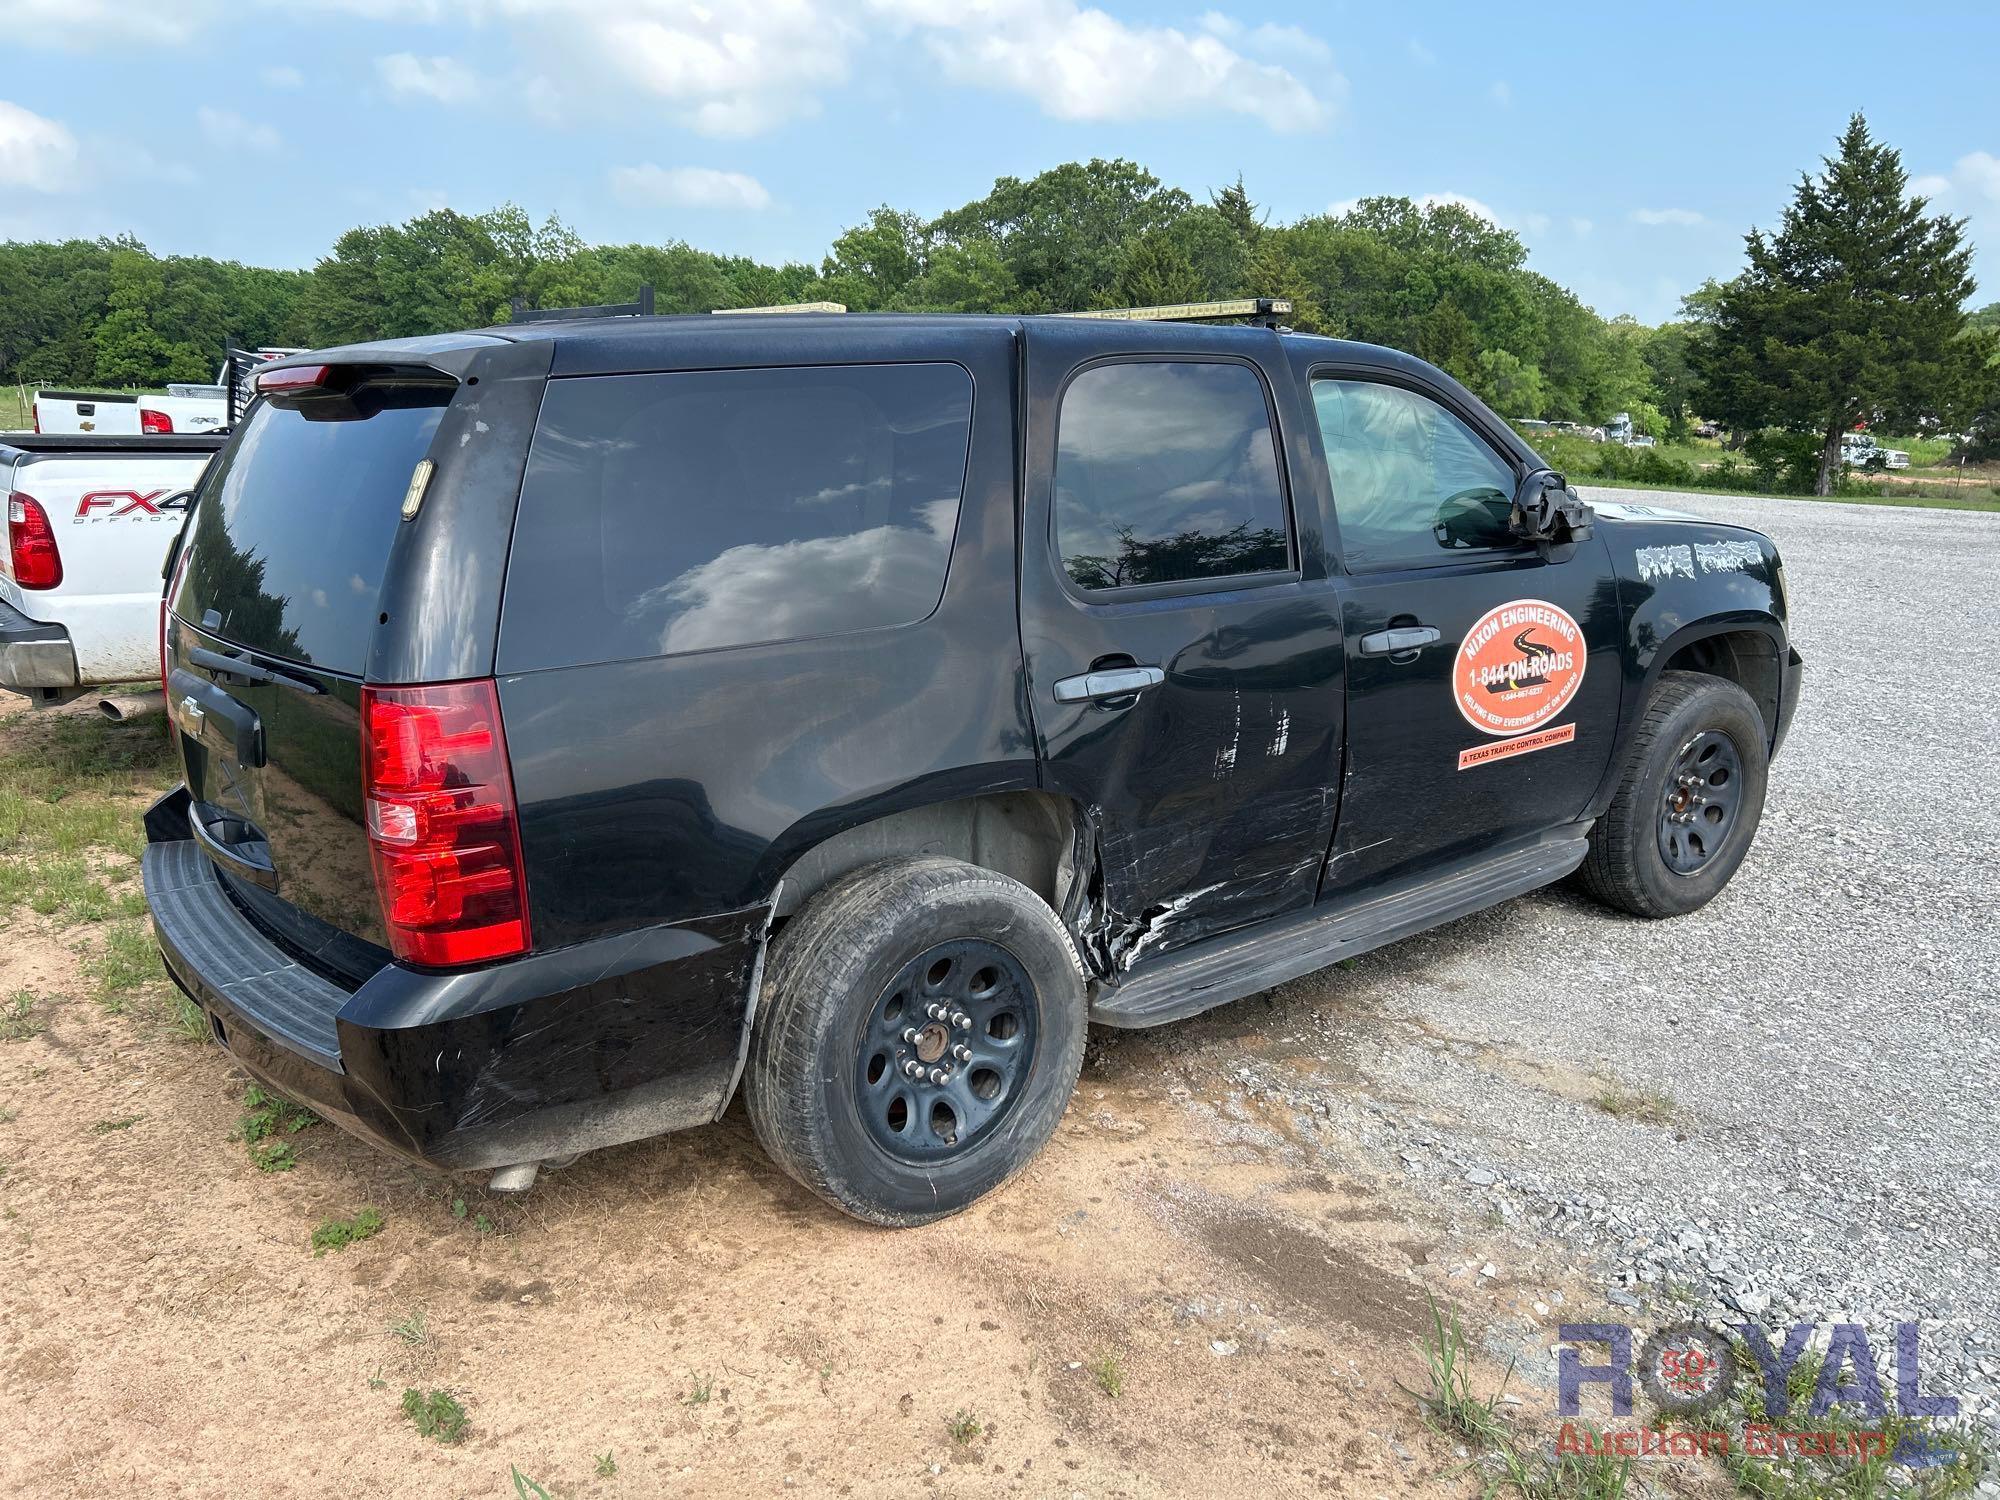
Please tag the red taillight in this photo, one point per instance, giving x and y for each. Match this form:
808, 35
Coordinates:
442, 827
292, 378
31, 544
154, 421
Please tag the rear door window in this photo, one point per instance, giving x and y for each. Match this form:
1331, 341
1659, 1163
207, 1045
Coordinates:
1167, 472
691, 511
294, 524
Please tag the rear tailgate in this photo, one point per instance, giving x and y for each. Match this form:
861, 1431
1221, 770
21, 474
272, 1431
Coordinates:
85, 411
299, 565
114, 512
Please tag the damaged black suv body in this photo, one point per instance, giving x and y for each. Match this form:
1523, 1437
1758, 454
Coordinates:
582, 720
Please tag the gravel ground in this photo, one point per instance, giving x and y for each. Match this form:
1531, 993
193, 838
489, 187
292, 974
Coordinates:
1825, 1030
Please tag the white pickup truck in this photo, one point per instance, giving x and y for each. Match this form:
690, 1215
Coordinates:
182, 409
89, 522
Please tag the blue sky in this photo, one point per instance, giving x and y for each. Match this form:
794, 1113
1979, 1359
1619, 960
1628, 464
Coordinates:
1630, 152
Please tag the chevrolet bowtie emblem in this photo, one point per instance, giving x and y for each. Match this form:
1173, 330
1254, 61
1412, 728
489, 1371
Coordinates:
191, 710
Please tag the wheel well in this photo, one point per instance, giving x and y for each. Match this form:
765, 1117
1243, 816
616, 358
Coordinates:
1028, 835
1748, 658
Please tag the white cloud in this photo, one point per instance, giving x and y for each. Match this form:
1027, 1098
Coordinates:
1677, 216
229, 130
748, 68
37, 154
1973, 176
1421, 55
693, 187
1501, 93
444, 79
1082, 64
282, 77
103, 25
1471, 205
1580, 227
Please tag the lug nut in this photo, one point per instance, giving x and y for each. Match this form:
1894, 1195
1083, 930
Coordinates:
938, 1075
961, 1020
913, 1070
962, 1052
910, 1035
935, 1012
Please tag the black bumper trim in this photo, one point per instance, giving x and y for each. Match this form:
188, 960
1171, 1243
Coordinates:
213, 947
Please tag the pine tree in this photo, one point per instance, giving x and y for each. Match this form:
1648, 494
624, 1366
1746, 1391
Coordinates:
1234, 204
1849, 313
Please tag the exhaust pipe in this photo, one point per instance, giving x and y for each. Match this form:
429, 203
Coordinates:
123, 706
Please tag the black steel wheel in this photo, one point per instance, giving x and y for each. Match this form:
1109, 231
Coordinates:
1687, 803
947, 1051
917, 1040
1699, 805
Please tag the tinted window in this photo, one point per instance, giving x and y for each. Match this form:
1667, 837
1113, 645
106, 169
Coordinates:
682, 512
1166, 471
1412, 484
293, 525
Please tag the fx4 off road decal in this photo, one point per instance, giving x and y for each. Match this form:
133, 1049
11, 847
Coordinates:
1519, 667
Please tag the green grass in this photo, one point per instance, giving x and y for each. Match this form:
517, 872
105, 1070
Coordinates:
1108, 1373
527, 1489
105, 1127
267, 1122
18, 1021
338, 1234
1455, 1412
963, 1426
1795, 1476
701, 1392
606, 1465
1648, 1106
436, 1415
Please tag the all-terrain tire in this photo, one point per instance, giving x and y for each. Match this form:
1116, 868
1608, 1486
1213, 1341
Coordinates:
1627, 867
843, 963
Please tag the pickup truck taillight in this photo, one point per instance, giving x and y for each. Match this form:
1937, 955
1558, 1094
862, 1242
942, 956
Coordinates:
443, 832
154, 421
31, 544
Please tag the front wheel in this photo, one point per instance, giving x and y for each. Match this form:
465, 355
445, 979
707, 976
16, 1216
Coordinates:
1688, 804
918, 1038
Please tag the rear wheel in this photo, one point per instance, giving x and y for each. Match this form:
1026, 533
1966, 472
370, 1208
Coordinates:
919, 1035
1687, 807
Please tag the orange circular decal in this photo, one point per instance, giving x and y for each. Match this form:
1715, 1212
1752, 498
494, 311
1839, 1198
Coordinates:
1518, 667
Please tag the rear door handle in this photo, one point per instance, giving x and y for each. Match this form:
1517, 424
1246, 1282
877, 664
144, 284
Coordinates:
1112, 682
1405, 638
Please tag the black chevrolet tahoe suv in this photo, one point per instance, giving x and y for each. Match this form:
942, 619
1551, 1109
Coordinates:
580, 720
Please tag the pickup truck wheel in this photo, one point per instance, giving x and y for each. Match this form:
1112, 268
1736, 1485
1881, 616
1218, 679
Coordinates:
1687, 807
918, 1038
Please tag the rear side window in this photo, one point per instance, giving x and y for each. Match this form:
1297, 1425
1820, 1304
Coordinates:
690, 511
1167, 470
293, 525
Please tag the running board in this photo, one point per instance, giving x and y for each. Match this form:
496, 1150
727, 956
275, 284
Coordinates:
1242, 963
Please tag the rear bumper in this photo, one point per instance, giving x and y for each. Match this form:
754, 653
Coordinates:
604, 1042
33, 653
1788, 695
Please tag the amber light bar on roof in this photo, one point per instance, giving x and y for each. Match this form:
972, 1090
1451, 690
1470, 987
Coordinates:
789, 307
1188, 312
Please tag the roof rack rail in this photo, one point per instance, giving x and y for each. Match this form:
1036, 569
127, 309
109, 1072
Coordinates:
788, 307
643, 308
1263, 311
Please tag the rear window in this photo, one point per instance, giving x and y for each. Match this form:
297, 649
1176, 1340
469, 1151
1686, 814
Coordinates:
293, 526
690, 511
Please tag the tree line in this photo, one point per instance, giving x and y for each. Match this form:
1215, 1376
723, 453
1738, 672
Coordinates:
1437, 280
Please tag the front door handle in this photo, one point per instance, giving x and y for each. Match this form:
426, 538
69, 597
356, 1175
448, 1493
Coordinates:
1111, 682
1408, 639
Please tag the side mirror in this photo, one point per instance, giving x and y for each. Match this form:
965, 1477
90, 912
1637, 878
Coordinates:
1548, 511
